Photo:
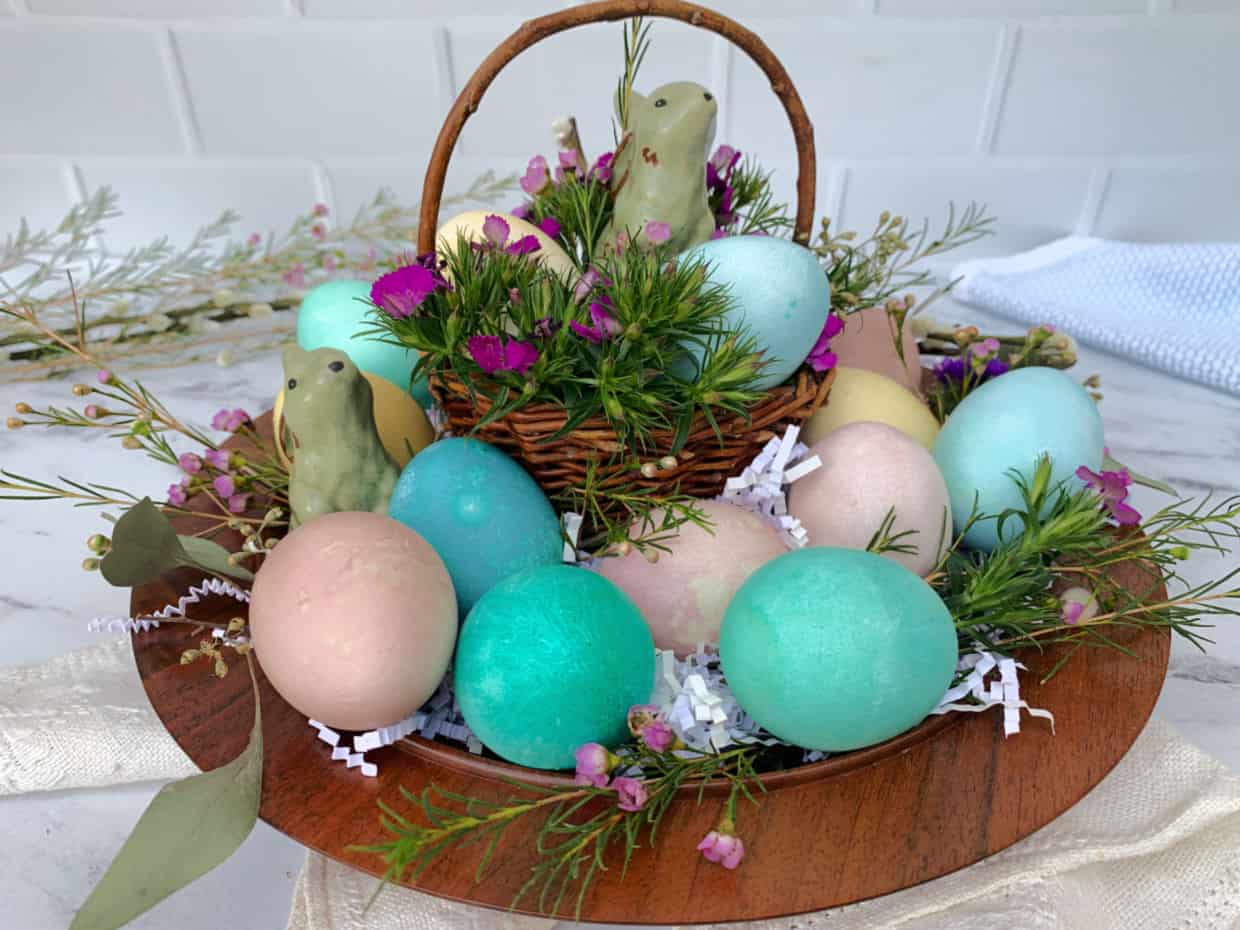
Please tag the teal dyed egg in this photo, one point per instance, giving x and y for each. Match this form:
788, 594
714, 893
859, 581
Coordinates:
835, 649
549, 659
333, 315
480, 511
1008, 424
780, 295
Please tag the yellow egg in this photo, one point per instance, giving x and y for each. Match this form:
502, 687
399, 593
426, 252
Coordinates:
860, 396
403, 427
550, 253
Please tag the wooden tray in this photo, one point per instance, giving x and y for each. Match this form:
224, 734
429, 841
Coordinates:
934, 800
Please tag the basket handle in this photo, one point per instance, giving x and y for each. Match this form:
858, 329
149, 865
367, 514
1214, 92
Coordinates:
607, 10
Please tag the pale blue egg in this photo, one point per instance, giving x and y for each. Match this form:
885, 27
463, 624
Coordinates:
480, 510
780, 292
835, 649
550, 659
1008, 424
335, 314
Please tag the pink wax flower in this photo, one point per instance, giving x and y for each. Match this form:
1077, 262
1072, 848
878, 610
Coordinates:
821, 358
230, 420
176, 495
92, 412
658, 736
570, 162
103, 376
605, 325
190, 463
536, 178
602, 170
658, 232
496, 230
217, 458
1077, 604
1071, 611
253, 239
1112, 488
295, 276
320, 209
237, 503
594, 763
631, 792
399, 293
550, 225
224, 486
723, 847
641, 716
319, 231
494, 354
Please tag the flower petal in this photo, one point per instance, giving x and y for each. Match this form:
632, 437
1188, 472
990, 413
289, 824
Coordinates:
495, 229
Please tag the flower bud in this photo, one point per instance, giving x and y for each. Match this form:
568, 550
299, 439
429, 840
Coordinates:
90, 565
624, 548
81, 390
98, 543
1179, 552
965, 335
649, 470
668, 461
131, 442
14, 423
23, 408
650, 555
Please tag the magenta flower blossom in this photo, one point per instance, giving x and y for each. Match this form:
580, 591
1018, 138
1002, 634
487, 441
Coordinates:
722, 847
399, 293
953, 369
237, 503
632, 793
722, 162
190, 463
1112, 488
658, 232
658, 736
720, 234
550, 225
176, 495
494, 354
570, 163
820, 357
987, 348
536, 178
602, 169
229, 421
546, 327
495, 229
594, 763
295, 276
217, 458
522, 210
588, 282
92, 412
224, 486
523, 246
605, 325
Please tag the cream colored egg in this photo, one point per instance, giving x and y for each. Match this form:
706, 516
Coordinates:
682, 595
868, 341
469, 224
859, 396
353, 619
403, 426
868, 471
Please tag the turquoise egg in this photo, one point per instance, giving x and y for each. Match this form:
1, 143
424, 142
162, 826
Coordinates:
333, 315
1008, 424
835, 649
549, 659
480, 511
780, 293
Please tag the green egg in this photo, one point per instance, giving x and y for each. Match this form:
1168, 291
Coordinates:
335, 314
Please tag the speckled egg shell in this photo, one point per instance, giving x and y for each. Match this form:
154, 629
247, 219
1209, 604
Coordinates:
353, 619
868, 342
836, 649
549, 659
334, 315
869, 469
481, 511
859, 396
1008, 424
469, 224
682, 596
780, 293
400, 420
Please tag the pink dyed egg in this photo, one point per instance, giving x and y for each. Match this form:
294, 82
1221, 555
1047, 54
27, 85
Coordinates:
683, 594
868, 341
867, 470
353, 619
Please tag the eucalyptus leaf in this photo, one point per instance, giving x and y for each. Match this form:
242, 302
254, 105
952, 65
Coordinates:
189, 828
204, 553
1110, 464
144, 546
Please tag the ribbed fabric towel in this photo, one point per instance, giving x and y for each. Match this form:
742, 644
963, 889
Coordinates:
1172, 306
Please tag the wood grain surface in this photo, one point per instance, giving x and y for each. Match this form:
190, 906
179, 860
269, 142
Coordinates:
934, 800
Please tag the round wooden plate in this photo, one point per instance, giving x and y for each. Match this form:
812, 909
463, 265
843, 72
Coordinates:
934, 800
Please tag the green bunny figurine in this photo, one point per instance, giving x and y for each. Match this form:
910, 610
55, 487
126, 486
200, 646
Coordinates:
661, 172
338, 461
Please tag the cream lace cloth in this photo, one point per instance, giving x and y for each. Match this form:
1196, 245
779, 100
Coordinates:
1155, 847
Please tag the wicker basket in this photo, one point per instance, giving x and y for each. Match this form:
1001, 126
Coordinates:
706, 460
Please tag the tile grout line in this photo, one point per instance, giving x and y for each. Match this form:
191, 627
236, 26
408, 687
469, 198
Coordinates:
1095, 199
997, 88
1160, 7
836, 197
178, 89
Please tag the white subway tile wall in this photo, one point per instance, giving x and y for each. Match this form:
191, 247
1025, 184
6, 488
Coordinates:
1106, 117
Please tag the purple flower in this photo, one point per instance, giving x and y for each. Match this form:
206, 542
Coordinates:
546, 328
495, 229
588, 282
953, 368
602, 169
176, 495
522, 210
103, 376
229, 421
217, 458
190, 463
658, 736
1112, 488
494, 354
224, 486
722, 847
594, 762
536, 179
550, 225
658, 232
237, 503
570, 163
605, 325
524, 246
720, 234
399, 293
631, 792
820, 357
722, 163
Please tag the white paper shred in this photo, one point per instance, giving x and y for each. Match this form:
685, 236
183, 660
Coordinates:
760, 488
572, 529
974, 694
194, 595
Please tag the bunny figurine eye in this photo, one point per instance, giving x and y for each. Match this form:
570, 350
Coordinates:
708, 95
661, 102
336, 365
292, 383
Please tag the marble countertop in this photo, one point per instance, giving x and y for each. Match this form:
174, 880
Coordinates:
57, 845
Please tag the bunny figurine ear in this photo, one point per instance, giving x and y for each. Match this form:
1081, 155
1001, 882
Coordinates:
636, 101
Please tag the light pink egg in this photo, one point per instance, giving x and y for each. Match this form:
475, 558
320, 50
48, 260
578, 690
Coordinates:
868, 341
353, 619
867, 470
682, 596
